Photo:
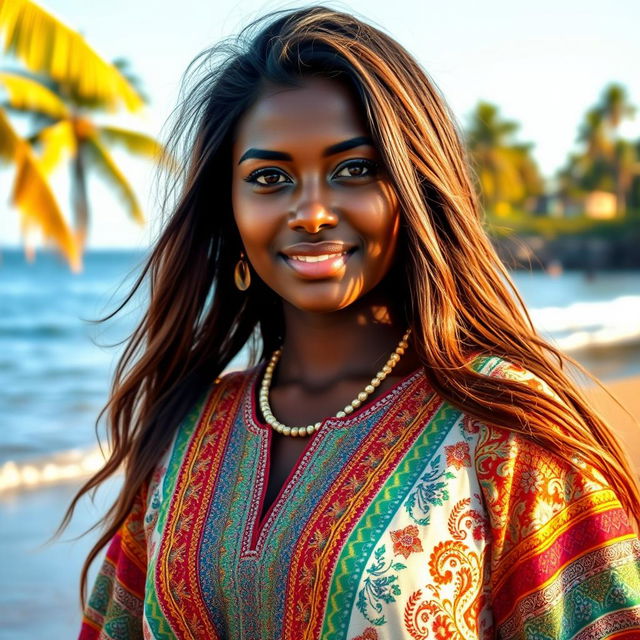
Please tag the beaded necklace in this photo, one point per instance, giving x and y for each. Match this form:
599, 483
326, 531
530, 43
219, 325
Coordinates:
354, 404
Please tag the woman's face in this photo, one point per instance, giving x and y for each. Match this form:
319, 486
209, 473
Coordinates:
318, 218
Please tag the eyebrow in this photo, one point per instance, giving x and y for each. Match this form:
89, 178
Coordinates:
346, 145
267, 154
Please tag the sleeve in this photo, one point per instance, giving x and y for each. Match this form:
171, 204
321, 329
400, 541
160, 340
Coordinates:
564, 561
114, 609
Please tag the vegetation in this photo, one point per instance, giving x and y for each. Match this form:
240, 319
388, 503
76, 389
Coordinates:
512, 188
507, 173
606, 162
523, 223
61, 84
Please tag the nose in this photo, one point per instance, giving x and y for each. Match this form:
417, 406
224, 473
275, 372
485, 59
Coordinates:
312, 214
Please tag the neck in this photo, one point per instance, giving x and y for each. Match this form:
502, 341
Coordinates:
320, 349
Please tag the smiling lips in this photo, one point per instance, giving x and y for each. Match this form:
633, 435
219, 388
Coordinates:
315, 260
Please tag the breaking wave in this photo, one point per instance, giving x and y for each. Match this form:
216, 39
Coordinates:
591, 324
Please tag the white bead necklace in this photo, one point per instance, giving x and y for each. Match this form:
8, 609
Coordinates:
354, 404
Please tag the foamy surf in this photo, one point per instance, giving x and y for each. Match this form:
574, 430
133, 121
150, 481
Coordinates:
62, 466
591, 324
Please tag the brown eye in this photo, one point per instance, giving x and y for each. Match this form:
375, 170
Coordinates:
267, 177
357, 169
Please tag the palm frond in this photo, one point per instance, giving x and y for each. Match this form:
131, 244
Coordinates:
27, 94
124, 67
8, 139
32, 194
139, 144
46, 45
102, 161
58, 143
133, 141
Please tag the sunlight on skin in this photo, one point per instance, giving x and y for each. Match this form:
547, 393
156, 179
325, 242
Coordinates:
307, 202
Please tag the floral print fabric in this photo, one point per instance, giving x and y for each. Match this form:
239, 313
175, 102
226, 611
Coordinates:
407, 520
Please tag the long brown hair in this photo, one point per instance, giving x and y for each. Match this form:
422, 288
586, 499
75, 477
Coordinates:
460, 298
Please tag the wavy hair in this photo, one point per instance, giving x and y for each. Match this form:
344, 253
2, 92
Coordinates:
461, 301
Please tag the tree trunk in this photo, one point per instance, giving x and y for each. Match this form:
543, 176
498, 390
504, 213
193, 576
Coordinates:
79, 197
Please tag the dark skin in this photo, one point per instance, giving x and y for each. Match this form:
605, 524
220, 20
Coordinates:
320, 222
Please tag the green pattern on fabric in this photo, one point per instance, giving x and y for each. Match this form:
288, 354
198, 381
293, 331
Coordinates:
352, 561
356, 551
153, 613
608, 591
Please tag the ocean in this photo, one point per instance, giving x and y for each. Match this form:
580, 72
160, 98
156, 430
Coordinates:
55, 371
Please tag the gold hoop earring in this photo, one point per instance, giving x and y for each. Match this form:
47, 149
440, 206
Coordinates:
241, 274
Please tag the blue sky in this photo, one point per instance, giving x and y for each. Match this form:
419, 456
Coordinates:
544, 64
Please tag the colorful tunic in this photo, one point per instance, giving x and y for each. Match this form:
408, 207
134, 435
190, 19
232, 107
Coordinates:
405, 520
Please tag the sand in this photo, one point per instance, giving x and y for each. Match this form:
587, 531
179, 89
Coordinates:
39, 581
625, 419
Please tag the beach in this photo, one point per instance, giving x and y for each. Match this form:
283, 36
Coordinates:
39, 580
45, 580
624, 417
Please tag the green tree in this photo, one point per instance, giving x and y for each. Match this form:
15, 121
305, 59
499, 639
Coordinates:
615, 106
506, 171
606, 162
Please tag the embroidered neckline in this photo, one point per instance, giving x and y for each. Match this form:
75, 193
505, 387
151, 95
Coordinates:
255, 423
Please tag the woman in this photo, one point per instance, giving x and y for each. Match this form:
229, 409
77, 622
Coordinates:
462, 491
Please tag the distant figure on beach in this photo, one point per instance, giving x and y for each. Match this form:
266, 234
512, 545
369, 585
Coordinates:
405, 457
554, 268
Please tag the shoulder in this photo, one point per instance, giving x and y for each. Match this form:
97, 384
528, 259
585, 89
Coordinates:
558, 533
514, 448
229, 387
219, 397
215, 405
526, 485
235, 379
501, 368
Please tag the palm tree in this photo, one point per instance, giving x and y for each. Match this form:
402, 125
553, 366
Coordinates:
33, 196
66, 132
615, 107
507, 173
593, 133
626, 167
68, 80
608, 162
45, 45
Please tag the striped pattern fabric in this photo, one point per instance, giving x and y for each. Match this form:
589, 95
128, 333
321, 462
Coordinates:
405, 520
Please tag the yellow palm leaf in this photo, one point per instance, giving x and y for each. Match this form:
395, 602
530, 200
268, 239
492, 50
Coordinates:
33, 196
8, 139
58, 144
132, 141
102, 161
137, 143
46, 45
28, 94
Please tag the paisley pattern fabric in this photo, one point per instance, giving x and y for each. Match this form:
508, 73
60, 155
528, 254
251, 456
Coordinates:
406, 520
